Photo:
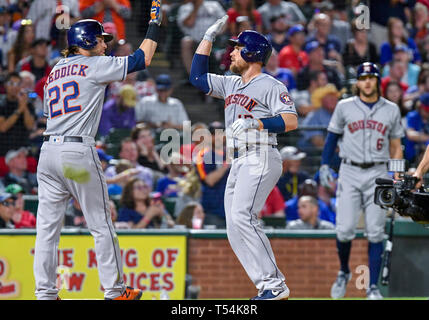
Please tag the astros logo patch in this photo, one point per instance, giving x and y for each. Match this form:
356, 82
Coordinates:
286, 99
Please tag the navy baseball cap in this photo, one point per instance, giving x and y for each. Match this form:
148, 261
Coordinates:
163, 82
424, 100
103, 156
310, 46
296, 28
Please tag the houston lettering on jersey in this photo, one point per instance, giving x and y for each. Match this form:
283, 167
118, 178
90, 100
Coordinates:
368, 124
70, 70
242, 100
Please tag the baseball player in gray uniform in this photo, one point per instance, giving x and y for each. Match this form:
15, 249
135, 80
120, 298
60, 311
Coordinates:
368, 129
69, 165
257, 107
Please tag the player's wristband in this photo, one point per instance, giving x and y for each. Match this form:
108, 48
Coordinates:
153, 32
274, 124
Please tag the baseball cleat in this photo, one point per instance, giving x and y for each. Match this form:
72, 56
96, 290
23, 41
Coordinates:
273, 295
129, 294
338, 289
373, 293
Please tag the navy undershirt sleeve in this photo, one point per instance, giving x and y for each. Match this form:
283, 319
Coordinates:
329, 148
199, 70
136, 61
274, 124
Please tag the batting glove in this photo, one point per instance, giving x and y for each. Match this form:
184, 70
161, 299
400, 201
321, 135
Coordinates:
217, 28
325, 176
240, 125
156, 12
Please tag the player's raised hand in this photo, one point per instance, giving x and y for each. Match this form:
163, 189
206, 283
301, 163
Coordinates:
156, 12
240, 125
217, 28
325, 176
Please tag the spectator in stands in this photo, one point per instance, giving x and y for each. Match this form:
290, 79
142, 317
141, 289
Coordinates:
7, 36
213, 171
413, 93
116, 11
395, 94
193, 19
17, 116
397, 70
124, 172
16, 161
358, 49
292, 56
278, 34
7, 204
139, 210
302, 98
22, 46
29, 86
243, 8
149, 157
412, 70
322, 34
119, 113
274, 206
21, 218
316, 57
189, 190
161, 110
36, 62
420, 20
339, 28
128, 151
417, 130
192, 216
308, 209
381, 11
168, 184
282, 74
292, 175
425, 50
396, 37
324, 100
308, 188
270, 8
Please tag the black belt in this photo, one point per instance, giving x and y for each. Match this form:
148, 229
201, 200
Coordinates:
66, 139
249, 147
365, 165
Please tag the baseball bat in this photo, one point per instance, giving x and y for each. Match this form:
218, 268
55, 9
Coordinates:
385, 275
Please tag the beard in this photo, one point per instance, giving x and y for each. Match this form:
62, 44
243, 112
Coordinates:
238, 69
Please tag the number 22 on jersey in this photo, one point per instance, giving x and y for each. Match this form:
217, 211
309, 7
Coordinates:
56, 94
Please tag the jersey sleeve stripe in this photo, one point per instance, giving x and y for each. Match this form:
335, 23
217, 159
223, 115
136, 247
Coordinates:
210, 84
125, 69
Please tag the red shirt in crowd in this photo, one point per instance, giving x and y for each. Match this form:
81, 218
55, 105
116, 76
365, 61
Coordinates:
274, 203
385, 81
233, 15
289, 58
27, 220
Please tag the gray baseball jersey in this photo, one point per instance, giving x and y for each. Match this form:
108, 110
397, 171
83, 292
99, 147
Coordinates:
261, 97
73, 100
253, 174
366, 134
74, 93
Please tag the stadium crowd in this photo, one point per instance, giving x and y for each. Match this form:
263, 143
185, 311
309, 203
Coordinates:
317, 46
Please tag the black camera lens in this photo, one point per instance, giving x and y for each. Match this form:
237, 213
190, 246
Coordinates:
387, 197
